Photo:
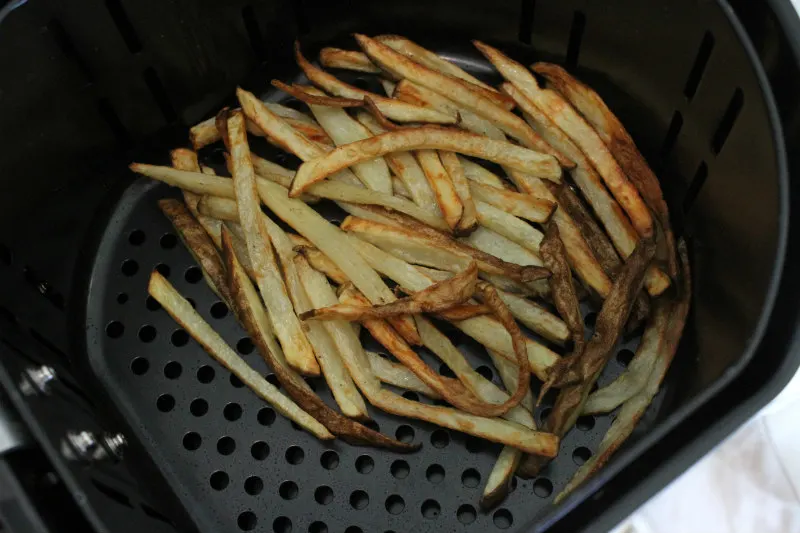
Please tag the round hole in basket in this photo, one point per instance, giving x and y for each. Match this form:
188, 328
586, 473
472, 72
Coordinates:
365, 464
466, 514
435, 474
288, 490
259, 450
247, 521
395, 504
502, 519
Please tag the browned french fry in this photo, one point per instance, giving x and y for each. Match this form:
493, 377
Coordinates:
469, 217
609, 326
619, 141
608, 211
602, 248
438, 297
298, 350
459, 92
633, 409
183, 313
582, 134
346, 59
322, 263
199, 244
185, 159
464, 311
315, 99
446, 195
394, 109
426, 137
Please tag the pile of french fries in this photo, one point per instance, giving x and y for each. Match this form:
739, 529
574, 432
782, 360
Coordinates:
569, 210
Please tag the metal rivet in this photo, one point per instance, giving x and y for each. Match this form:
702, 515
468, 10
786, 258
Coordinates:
86, 447
37, 380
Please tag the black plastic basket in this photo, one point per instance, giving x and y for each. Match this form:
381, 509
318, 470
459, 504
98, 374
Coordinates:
708, 89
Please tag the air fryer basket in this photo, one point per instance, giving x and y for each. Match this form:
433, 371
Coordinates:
130, 76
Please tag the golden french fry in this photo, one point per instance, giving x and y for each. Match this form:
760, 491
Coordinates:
500, 246
405, 167
287, 327
446, 195
469, 220
339, 381
315, 99
394, 109
475, 172
399, 376
458, 91
581, 133
512, 228
183, 313
347, 59
608, 211
623, 148
185, 159
426, 137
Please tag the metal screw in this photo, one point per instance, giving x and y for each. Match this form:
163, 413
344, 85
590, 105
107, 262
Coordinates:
37, 380
84, 446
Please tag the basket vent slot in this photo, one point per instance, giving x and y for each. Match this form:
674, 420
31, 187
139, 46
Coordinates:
124, 26
109, 115
575, 38
43, 287
699, 67
156, 87
254, 32
152, 513
672, 134
67, 45
728, 121
526, 14
697, 183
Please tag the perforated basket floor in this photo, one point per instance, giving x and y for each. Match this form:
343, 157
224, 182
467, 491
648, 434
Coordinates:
237, 465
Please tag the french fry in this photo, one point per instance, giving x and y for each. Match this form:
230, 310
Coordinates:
500, 246
412, 93
440, 249
446, 195
469, 220
430, 59
330, 57
608, 211
253, 316
484, 329
405, 167
602, 249
394, 109
199, 244
438, 297
206, 132
322, 263
185, 159
343, 129
634, 378
511, 227
477, 173
399, 189
520, 205
581, 133
183, 313
276, 174
458, 91
508, 375
460, 398
331, 241
287, 327
608, 328
482, 388
399, 376
426, 137
339, 381
536, 318
581, 258
623, 148
634, 408
301, 93
353, 355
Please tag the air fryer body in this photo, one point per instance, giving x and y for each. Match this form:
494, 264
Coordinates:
707, 90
